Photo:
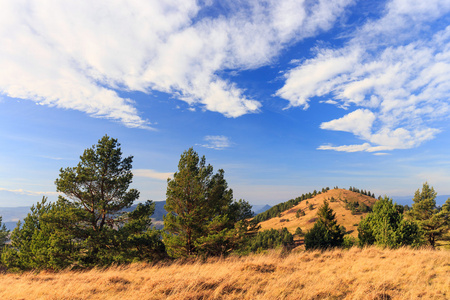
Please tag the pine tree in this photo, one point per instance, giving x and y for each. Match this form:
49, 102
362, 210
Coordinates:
98, 189
202, 217
88, 226
425, 212
326, 232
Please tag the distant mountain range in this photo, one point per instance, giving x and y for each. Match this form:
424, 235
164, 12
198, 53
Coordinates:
11, 215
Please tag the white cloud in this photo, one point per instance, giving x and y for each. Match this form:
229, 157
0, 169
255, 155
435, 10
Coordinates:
80, 55
217, 142
28, 193
394, 71
148, 173
358, 122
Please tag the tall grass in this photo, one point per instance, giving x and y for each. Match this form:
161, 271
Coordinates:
369, 273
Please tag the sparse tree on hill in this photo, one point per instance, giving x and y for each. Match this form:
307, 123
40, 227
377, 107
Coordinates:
326, 232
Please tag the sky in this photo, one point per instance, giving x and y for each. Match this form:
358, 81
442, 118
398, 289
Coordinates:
286, 96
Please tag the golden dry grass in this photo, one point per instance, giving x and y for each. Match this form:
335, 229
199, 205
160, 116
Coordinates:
306, 222
369, 273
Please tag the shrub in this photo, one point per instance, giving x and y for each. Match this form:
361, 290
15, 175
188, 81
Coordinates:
269, 239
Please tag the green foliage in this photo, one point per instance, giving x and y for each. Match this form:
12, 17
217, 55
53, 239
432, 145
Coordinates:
311, 207
136, 240
326, 232
36, 244
202, 217
433, 222
98, 185
362, 192
3, 234
299, 213
270, 239
87, 227
299, 231
385, 226
349, 242
355, 207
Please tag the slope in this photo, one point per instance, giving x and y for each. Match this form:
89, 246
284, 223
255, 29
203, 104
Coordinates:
338, 199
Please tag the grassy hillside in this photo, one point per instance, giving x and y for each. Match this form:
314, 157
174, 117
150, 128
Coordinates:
344, 216
369, 273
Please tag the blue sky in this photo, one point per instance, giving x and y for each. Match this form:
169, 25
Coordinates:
285, 96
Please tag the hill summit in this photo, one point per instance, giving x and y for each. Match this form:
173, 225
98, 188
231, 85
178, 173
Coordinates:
349, 207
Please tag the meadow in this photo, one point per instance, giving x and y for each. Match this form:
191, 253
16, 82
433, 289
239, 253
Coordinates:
367, 273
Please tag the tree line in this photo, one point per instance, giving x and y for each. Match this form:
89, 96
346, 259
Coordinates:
276, 210
88, 225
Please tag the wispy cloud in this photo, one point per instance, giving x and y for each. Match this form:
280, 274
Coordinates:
393, 70
80, 55
29, 193
217, 142
148, 173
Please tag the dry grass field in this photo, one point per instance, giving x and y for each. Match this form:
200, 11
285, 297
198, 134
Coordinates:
306, 222
369, 273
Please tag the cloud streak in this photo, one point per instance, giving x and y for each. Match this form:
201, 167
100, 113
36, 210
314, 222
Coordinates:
216, 142
149, 173
80, 55
391, 72
29, 193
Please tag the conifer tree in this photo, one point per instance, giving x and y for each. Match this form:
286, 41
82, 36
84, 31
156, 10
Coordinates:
326, 232
202, 216
424, 211
88, 226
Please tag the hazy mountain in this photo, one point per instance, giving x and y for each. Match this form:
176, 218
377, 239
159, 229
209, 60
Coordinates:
257, 209
407, 200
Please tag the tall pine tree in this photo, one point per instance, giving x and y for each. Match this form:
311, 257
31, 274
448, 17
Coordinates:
424, 211
202, 216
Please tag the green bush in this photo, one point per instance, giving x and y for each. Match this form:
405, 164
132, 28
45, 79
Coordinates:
270, 239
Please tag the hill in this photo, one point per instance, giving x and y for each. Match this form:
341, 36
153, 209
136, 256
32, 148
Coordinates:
368, 273
340, 201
